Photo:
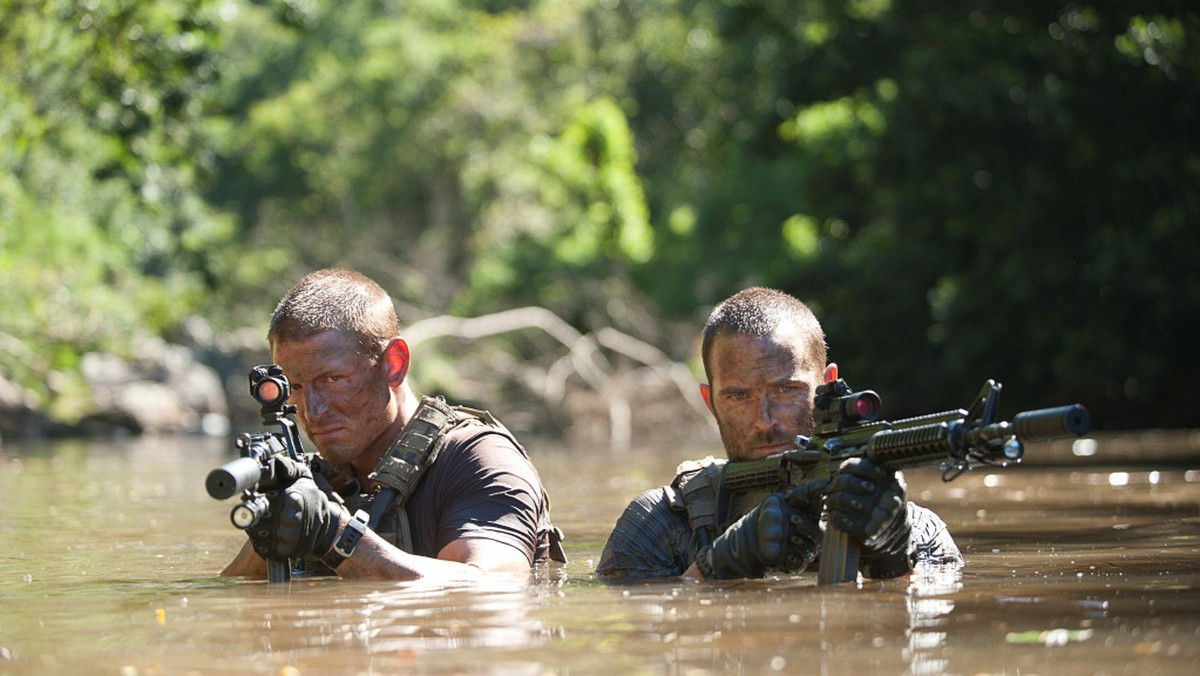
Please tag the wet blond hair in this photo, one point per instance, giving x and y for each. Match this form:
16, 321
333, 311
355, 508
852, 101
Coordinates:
336, 300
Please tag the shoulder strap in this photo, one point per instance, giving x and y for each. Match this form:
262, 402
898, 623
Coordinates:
401, 468
697, 482
415, 449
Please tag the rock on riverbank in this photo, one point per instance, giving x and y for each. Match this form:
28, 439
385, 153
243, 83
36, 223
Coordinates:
166, 389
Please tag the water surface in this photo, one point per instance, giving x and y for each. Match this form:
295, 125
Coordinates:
1075, 565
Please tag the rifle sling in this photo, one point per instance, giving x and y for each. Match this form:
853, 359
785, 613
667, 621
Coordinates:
401, 468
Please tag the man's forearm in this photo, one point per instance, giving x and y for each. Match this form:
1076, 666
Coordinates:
247, 563
460, 561
376, 559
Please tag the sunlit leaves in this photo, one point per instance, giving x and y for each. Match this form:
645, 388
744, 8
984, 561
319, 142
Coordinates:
102, 148
800, 235
595, 160
848, 120
1158, 41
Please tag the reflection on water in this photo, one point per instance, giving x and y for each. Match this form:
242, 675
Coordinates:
111, 552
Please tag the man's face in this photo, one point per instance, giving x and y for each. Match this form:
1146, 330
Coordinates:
343, 402
761, 393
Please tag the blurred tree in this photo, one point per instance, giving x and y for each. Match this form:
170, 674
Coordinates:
103, 236
962, 191
992, 190
469, 155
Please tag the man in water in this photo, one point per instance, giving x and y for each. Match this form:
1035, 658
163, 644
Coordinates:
436, 492
764, 356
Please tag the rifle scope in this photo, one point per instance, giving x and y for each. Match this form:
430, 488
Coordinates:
269, 386
857, 407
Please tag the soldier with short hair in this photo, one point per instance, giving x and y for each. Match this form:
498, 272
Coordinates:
424, 489
764, 355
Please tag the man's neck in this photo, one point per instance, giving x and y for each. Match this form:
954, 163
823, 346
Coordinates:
407, 402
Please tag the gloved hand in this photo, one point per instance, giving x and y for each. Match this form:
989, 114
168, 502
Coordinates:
870, 504
783, 532
300, 520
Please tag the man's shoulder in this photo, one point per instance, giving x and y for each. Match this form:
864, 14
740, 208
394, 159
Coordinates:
651, 539
474, 455
688, 469
469, 428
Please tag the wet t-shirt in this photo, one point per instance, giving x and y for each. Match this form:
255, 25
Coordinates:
481, 486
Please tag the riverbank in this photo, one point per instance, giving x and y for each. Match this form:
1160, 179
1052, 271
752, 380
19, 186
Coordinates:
192, 387
606, 388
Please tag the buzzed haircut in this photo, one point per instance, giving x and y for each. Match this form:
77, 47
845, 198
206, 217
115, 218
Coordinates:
758, 312
339, 300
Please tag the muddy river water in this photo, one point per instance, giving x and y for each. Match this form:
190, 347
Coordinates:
1084, 560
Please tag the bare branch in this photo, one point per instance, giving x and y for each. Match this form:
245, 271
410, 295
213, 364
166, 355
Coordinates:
584, 357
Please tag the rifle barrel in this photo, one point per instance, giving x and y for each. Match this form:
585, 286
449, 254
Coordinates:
232, 478
1052, 423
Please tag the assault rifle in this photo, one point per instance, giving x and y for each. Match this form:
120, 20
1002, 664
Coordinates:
848, 426
254, 467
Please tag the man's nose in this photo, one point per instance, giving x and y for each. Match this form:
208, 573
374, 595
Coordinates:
312, 404
768, 411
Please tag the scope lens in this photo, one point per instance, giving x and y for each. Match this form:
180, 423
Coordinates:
865, 405
269, 390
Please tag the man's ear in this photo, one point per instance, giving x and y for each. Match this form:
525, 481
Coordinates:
706, 393
397, 359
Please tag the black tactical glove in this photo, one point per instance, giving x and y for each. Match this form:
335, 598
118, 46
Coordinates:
870, 504
300, 520
782, 533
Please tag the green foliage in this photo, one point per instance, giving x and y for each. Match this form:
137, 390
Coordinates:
594, 158
384, 121
102, 233
995, 190
594, 224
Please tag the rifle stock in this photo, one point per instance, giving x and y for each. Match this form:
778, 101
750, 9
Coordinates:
956, 440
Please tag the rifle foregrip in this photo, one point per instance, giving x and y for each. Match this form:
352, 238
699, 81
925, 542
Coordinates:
910, 447
1052, 423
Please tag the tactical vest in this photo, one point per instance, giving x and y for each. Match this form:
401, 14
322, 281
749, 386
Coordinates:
696, 490
408, 458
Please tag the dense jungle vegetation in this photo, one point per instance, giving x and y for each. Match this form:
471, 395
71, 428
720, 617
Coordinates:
961, 190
